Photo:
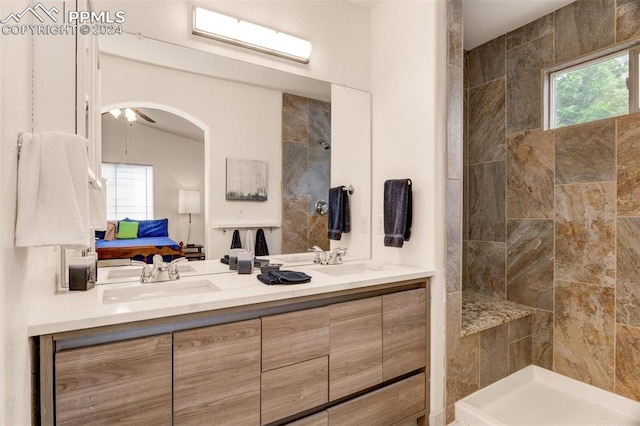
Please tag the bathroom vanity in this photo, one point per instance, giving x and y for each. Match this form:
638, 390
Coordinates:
351, 347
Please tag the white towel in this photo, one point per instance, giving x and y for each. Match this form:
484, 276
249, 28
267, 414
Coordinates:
248, 243
53, 191
98, 207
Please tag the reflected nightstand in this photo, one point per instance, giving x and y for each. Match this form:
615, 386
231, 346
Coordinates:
194, 252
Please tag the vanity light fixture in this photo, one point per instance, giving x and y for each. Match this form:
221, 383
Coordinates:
217, 26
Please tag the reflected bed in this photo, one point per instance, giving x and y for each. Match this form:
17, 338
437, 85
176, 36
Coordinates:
141, 249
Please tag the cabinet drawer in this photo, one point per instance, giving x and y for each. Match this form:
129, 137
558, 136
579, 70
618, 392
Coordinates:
404, 332
295, 388
383, 407
294, 337
319, 419
217, 374
355, 346
125, 383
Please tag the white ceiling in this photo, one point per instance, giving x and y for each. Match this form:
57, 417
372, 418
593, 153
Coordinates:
485, 20
165, 122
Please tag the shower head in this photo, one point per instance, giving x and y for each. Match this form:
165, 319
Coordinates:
324, 144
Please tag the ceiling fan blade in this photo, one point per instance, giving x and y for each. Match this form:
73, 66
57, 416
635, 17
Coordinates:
144, 116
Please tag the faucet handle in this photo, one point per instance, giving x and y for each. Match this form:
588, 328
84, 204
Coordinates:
145, 276
174, 274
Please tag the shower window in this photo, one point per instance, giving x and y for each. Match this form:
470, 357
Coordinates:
591, 90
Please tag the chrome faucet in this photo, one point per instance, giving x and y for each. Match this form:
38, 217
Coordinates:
160, 270
324, 258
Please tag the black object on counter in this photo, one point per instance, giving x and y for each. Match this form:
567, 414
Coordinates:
284, 277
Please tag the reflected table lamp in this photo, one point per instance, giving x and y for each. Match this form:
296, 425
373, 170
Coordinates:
189, 203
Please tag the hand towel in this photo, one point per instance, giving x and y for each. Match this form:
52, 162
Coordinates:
235, 240
98, 207
339, 213
261, 243
398, 206
284, 277
248, 241
53, 191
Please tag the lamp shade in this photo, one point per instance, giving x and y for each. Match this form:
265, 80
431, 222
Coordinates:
188, 201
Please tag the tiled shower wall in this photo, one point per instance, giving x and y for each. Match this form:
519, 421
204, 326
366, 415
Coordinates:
306, 172
553, 217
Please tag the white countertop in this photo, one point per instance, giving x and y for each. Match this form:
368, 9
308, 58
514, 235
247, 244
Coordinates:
67, 311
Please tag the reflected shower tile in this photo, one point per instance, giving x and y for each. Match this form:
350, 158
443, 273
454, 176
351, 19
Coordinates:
319, 130
319, 175
294, 225
295, 121
295, 179
317, 228
584, 333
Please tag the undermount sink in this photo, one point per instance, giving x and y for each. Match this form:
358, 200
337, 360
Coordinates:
135, 272
348, 269
153, 291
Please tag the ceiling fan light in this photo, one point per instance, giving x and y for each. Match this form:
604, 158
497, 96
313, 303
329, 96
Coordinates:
132, 119
115, 112
130, 114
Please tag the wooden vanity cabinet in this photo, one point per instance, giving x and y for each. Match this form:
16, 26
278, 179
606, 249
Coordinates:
124, 383
216, 374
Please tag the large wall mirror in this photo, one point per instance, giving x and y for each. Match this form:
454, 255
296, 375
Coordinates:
195, 111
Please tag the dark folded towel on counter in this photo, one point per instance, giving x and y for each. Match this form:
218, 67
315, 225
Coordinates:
261, 248
339, 213
235, 240
225, 259
398, 206
284, 277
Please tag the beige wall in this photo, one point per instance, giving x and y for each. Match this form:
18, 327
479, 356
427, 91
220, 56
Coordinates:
553, 219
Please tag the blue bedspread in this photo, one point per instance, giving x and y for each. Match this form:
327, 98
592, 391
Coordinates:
138, 242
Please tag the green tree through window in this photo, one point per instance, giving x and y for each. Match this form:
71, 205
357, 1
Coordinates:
592, 92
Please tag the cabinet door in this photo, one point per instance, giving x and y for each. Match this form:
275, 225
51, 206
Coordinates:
124, 383
383, 407
217, 375
294, 337
404, 327
355, 346
290, 390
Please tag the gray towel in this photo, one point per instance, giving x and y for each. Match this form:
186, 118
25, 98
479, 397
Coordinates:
235, 240
261, 248
339, 213
397, 212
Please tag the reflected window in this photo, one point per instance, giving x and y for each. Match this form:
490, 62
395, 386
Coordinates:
129, 191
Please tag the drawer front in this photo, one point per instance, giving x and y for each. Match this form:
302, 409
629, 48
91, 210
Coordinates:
383, 407
404, 332
295, 388
355, 346
217, 374
294, 337
319, 419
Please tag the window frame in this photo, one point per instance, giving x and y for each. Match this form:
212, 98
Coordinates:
633, 83
150, 200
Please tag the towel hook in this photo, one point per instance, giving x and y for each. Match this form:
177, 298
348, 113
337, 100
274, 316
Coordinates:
348, 189
19, 144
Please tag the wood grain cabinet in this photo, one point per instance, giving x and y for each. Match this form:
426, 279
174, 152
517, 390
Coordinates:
217, 375
124, 383
404, 332
355, 346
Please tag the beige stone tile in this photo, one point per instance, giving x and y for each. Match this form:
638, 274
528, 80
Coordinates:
628, 173
627, 20
628, 271
455, 127
586, 153
295, 118
520, 328
627, 361
486, 62
530, 262
530, 175
524, 89
486, 201
542, 339
585, 233
582, 27
454, 235
487, 122
486, 268
493, 355
531, 31
520, 354
584, 333
317, 231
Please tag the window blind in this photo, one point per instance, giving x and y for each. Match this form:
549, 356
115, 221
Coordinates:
129, 191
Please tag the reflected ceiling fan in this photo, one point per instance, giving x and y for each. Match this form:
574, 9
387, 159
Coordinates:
131, 114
